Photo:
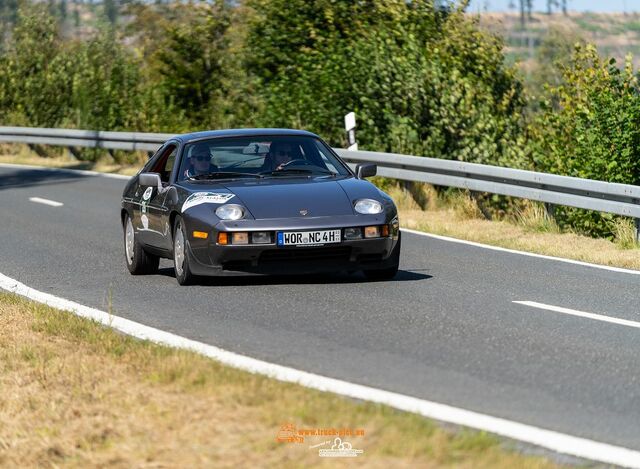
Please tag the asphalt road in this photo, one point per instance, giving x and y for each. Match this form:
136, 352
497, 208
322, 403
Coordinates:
446, 329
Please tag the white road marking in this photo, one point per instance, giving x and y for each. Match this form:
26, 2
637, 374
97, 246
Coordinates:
582, 314
555, 441
51, 203
523, 253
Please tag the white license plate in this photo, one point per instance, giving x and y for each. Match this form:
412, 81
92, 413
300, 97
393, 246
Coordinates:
308, 238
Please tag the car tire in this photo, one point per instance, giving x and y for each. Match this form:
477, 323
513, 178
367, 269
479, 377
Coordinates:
180, 256
387, 273
138, 261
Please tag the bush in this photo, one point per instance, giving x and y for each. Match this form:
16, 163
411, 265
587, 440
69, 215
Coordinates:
98, 83
593, 132
35, 80
421, 81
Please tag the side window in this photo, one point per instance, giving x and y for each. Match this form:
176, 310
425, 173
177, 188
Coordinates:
165, 163
153, 159
168, 167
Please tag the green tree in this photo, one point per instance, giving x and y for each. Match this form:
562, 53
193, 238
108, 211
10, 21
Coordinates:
62, 7
526, 8
111, 91
106, 84
97, 83
592, 132
35, 80
192, 62
555, 50
76, 17
8, 12
111, 11
421, 81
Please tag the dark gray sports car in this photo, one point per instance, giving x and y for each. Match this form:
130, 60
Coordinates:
257, 201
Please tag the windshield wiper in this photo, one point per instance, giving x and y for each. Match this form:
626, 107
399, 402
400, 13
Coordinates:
240, 163
222, 175
300, 171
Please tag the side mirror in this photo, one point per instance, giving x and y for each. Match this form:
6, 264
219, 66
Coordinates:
366, 170
150, 179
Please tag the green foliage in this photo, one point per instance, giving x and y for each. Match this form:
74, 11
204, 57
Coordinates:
8, 12
35, 79
105, 92
421, 81
111, 11
193, 56
46, 81
191, 62
593, 133
62, 9
556, 49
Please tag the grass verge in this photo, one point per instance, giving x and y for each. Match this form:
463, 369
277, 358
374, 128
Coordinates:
78, 394
21, 154
530, 230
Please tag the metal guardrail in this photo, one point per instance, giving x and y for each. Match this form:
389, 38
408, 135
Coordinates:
620, 199
130, 141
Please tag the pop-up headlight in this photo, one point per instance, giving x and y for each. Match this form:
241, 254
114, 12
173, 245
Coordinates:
230, 212
368, 206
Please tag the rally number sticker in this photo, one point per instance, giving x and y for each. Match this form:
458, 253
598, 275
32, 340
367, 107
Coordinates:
206, 198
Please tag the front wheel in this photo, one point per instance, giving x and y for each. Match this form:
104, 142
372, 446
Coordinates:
139, 262
389, 272
180, 257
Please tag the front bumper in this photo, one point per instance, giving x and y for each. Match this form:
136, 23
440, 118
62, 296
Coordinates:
207, 258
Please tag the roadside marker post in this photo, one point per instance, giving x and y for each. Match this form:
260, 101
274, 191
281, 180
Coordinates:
350, 127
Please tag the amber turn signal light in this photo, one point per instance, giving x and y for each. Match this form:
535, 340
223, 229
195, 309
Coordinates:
200, 234
223, 238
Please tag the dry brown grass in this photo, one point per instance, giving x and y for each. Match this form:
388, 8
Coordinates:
531, 230
20, 154
76, 394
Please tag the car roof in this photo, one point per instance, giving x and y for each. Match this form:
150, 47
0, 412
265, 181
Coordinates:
194, 136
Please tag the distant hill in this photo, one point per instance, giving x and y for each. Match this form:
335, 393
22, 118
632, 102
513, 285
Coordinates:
615, 34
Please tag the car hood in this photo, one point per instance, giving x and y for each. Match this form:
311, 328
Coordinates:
284, 198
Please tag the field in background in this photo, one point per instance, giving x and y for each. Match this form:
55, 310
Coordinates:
77, 394
614, 34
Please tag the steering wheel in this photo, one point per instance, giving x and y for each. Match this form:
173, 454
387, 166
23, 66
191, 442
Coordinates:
191, 171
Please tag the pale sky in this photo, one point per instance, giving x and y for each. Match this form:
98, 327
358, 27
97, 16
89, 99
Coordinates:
577, 5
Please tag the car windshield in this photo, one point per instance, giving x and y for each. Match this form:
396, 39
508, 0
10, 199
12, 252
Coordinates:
253, 157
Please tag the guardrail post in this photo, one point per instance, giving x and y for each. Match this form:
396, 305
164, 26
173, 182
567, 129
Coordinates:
75, 152
475, 195
550, 209
637, 223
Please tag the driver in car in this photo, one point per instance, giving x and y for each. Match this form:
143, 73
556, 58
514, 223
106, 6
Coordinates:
199, 161
281, 154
